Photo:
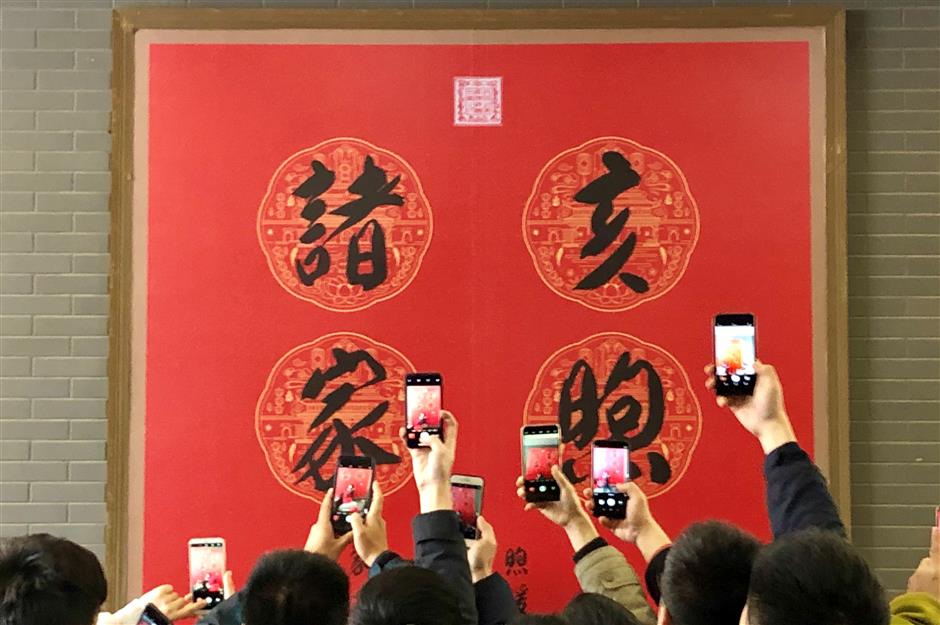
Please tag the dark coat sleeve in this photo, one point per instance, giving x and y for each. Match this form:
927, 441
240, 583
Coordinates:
495, 602
440, 547
654, 572
797, 495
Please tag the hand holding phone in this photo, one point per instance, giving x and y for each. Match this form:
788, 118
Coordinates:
540, 451
610, 466
206, 569
352, 490
423, 408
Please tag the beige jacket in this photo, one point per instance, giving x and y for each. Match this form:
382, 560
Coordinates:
606, 572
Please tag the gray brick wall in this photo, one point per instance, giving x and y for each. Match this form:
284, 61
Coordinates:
54, 179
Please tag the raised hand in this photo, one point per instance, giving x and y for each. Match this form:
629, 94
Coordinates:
370, 537
482, 551
321, 538
432, 466
568, 512
638, 526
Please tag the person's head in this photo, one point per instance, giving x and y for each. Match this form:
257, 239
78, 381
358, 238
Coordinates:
294, 587
589, 608
407, 594
706, 575
46, 580
814, 577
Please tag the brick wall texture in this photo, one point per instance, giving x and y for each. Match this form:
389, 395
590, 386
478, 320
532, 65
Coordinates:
54, 181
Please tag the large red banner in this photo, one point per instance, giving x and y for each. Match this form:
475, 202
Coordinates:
550, 226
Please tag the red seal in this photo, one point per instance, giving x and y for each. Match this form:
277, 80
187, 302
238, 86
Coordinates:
342, 394
610, 224
614, 385
344, 224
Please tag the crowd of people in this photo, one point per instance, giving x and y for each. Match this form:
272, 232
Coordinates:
713, 573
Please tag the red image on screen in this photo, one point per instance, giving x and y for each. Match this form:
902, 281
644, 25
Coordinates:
539, 461
352, 490
610, 467
424, 407
465, 501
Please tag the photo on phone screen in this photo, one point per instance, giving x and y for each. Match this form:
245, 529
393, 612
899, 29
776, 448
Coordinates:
735, 354
422, 408
152, 616
467, 493
206, 567
539, 453
352, 490
610, 465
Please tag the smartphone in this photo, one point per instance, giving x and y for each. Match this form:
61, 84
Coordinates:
467, 493
610, 465
352, 490
206, 567
539, 452
735, 354
152, 616
422, 408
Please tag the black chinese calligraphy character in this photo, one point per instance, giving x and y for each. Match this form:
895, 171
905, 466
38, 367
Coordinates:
516, 561
622, 415
344, 438
374, 189
606, 227
521, 597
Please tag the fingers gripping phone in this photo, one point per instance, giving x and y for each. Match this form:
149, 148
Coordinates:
206, 567
735, 354
352, 490
423, 408
467, 493
610, 465
539, 453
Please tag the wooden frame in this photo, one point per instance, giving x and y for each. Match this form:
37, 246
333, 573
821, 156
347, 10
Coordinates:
832, 439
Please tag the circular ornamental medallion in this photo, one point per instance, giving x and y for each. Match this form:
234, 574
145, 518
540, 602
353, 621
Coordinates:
610, 224
342, 394
344, 224
614, 385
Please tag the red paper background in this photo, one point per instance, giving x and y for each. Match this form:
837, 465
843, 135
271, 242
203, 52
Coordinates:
733, 116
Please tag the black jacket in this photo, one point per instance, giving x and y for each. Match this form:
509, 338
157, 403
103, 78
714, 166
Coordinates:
797, 499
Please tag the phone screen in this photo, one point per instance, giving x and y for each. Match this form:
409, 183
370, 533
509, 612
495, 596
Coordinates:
735, 354
206, 567
610, 465
539, 453
422, 407
468, 503
352, 492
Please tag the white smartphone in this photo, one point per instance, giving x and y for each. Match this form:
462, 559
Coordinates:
467, 493
206, 568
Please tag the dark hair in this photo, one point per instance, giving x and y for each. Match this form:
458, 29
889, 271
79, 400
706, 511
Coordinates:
540, 619
706, 575
45, 580
816, 577
407, 594
589, 608
293, 587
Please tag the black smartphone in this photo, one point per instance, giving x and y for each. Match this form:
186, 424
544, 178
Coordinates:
610, 465
467, 493
735, 354
423, 408
539, 452
352, 490
152, 616
206, 570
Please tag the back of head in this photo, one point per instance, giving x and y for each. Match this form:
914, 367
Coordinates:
540, 619
46, 580
293, 587
407, 595
814, 577
706, 575
589, 608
